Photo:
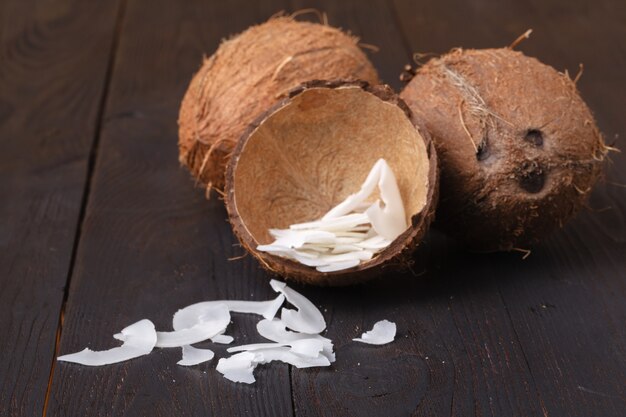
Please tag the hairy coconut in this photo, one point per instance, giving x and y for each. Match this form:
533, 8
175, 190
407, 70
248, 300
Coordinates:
247, 74
313, 149
519, 149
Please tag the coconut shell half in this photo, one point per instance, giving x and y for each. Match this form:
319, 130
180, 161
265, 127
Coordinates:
313, 149
247, 75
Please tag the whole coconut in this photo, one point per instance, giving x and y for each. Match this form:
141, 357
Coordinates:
247, 74
519, 149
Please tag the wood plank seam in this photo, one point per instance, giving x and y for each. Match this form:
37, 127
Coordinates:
403, 36
87, 186
521, 348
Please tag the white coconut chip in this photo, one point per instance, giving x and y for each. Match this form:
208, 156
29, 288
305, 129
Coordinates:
285, 354
189, 316
376, 242
276, 331
354, 229
356, 200
307, 319
239, 367
211, 323
139, 339
383, 332
309, 347
194, 356
340, 223
339, 266
222, 339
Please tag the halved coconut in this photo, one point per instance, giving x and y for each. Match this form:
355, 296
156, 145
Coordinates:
313, 149
248, 74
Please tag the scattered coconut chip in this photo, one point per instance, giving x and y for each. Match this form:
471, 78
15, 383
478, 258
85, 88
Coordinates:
307, 319
188, 316
309, 347
284, 354
383, 332
222, 339
194, 356
209, 320
139, 339
239, 367
211, 323
275, 330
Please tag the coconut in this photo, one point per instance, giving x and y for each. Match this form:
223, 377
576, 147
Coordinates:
247, 74
313, 149
519, 149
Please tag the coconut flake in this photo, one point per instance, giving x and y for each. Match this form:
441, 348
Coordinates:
239, 367
355, 200
139, 339
194, 356
389, 221
340, 223
222, 339
383, 332
189, 316
354, 228
309, 347
284, 354
210, 323
276, 331
339, 266
307, 319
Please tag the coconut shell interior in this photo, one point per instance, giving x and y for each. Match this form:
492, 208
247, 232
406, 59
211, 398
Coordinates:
314, 149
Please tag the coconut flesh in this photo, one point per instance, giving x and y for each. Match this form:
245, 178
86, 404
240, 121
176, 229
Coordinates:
312, 151
519, 149
351, 232
293, 338
247, 75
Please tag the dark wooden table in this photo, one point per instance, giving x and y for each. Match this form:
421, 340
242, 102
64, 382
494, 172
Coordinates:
100, 227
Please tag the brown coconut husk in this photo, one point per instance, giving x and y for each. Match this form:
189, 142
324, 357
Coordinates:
313, 149
519, 148
247, 74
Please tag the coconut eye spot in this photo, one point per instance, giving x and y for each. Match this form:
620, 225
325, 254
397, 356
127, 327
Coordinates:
483, 152
534, 136
532, 177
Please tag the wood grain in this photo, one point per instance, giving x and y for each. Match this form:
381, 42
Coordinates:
51, 86
478, 335
151, 243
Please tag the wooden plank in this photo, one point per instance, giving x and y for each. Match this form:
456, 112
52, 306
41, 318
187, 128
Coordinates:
566, 301
54, 59
151, 243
